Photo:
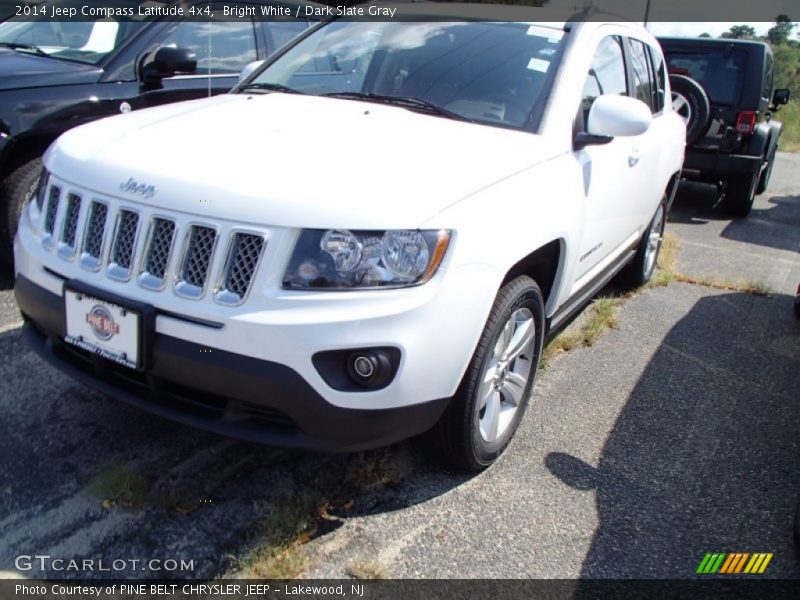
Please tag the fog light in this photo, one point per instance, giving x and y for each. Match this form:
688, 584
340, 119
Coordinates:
369, 369
363, 367
358, 370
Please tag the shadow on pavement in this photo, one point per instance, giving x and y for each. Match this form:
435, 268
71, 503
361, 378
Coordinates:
775, 227
207, 498
705, 456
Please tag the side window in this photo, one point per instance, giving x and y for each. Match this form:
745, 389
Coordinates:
643, 88
768, 71
222, 47
606, 74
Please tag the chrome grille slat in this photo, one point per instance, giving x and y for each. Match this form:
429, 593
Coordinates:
123, 245
52, 209
69, 229
196, 261
243, 255
157, 252
94, 235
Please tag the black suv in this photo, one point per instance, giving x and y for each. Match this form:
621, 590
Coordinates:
55, 75
723, 89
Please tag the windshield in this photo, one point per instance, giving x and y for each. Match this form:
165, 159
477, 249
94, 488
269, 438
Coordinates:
493, 73
83, 41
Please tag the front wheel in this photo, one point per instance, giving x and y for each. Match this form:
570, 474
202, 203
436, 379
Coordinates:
15, 192
491, 400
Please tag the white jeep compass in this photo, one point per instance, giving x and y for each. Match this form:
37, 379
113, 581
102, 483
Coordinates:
372, 235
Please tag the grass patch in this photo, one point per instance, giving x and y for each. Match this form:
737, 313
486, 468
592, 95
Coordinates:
368, 570
789, 115
602, 316
667, 262
120, 485
296, 518
720, 283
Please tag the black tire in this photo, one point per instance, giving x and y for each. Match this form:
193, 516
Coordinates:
643, 265
797, 306
16, 191
763, 180
739, 194
796, 528
691, 102
458, 433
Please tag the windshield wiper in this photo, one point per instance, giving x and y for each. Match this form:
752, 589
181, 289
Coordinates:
26, 47
271, 87
408, 102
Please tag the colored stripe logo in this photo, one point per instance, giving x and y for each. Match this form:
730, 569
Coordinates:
734, 562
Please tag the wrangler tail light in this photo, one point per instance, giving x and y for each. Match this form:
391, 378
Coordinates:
746, 121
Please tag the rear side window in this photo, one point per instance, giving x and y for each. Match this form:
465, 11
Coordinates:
768, 71
720, 71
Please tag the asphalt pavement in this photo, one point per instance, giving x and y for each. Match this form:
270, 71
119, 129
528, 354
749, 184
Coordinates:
675, 435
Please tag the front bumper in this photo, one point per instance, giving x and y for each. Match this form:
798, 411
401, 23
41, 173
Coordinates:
220, 391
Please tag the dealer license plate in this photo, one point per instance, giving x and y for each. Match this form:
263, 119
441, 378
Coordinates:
103, 328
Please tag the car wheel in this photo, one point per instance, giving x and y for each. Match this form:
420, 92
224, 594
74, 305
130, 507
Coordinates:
643, 265
15, 192
796, 528
797, 304
739, 194
491, 399
690, 101
763, 181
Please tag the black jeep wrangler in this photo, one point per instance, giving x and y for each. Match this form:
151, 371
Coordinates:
723, 90
57, 74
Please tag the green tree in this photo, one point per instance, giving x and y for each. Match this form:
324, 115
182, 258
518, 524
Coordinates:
740, 32
780, 33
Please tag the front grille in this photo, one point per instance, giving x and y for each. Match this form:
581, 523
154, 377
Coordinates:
196, 261
157, 253
124, 244
240, 266
168, 248
93, 238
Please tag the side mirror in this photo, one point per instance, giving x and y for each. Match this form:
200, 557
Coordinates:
167, 61
780, 97
249, 69
618, 115
611, 116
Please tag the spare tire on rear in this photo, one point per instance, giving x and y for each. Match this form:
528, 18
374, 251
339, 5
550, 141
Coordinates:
690, 101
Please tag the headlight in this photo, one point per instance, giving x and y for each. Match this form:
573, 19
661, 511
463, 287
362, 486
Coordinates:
344, 259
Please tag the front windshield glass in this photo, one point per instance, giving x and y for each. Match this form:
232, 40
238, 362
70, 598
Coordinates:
493, 73
84, 41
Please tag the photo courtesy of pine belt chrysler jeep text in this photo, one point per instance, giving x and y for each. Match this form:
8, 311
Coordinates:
370, 237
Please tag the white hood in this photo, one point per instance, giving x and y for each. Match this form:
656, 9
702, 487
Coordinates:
294, 161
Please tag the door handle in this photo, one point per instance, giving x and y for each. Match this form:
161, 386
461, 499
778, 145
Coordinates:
634, 157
